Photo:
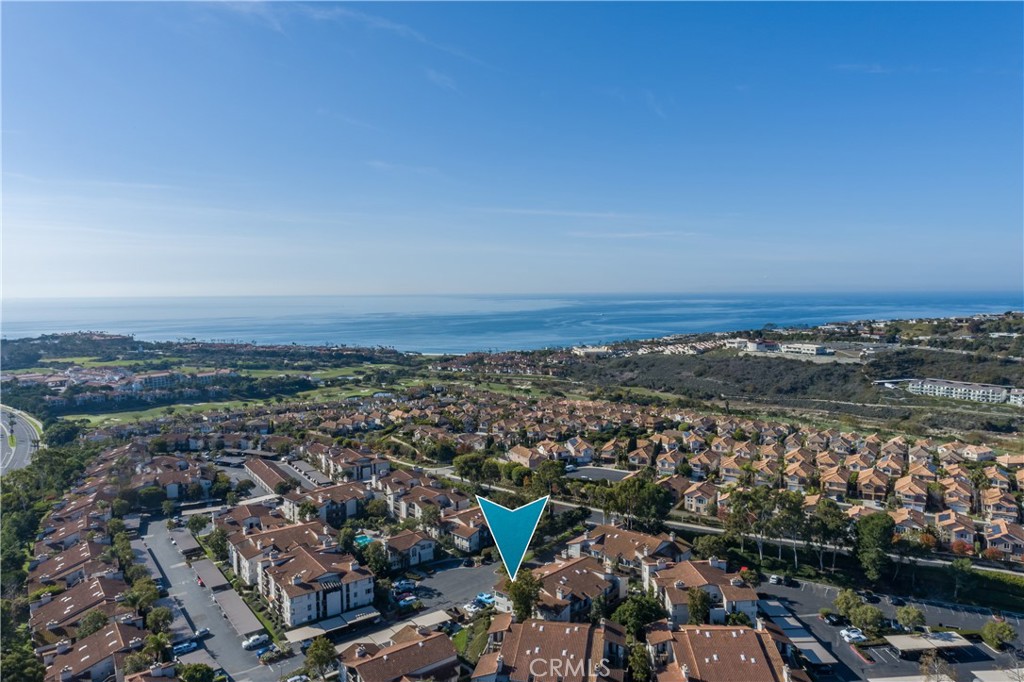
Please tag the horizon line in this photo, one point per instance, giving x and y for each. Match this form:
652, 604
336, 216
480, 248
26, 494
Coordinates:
551, 294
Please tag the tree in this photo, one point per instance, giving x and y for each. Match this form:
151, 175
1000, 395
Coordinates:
998, 634
376, 559
637, 612
159, 619
707, 546
20, 663
909, 616
868, 618
320, 657
469, 466
347, 539
846, 601
699, 606
217, 541
738, 618
828, 527
639, 663
961, 548
934, 668
598, 609
197, 522
524, 593
167, 507
156, 645
308, 510
874, 540
136, 572
961, 571
92, 622
378, 508
430, 517
144, 593
195, 672
136, 662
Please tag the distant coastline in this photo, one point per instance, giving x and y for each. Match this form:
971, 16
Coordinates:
460, 324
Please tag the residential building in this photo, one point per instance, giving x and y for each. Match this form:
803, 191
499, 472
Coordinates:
626, 547
569, 589
671, 583
409, 548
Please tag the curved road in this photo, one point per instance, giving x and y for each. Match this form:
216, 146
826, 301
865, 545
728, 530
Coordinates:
25, 440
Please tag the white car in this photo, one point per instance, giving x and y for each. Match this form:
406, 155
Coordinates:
852, 635
255, 641
404, 585
775, 580
471, 608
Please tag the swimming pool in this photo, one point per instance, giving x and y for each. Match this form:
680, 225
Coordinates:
363, 540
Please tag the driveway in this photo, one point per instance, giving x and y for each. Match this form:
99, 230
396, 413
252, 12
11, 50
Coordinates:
199, 609
807, 598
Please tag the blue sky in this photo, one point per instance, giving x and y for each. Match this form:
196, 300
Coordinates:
196, 149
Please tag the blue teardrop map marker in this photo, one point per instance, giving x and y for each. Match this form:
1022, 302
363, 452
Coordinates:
512, 529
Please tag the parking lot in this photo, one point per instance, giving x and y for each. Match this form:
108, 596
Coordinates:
196, 606
598, 474
453, 585
806, 598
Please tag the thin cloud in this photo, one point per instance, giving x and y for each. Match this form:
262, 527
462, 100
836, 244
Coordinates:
335, 13
556, 213
263, 12
442, 80
863, 68
388, 167
630, 235
653, 104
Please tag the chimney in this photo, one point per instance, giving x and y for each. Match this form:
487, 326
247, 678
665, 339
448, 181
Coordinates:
297, 578
685, 669
259, 544
560, 592
65, 673
134, 642
720, 564
500, 663
360, 651
63, 646
51, 625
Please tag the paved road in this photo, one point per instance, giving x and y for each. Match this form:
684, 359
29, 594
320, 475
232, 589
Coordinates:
225, 645
26, 440
807, 598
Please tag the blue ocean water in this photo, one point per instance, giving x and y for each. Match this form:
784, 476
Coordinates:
460, 324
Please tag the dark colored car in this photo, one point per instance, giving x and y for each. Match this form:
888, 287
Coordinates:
468, 562
896, 601
870, 597
834, 619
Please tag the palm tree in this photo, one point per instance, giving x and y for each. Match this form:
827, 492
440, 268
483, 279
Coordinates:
156, 645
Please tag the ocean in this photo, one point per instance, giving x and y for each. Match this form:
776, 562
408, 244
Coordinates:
466, 323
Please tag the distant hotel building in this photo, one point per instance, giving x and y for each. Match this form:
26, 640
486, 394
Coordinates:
804, 348
959, 390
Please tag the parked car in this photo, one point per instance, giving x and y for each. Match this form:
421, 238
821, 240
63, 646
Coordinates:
200, 633
775, 579
467, 562
852, 635
569, 468
255, 641
870, 597
485, 598
262, 650
305, 645
471, 608
834, 619
897, 601
184, 648
199, 581
404, 585
299, 678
